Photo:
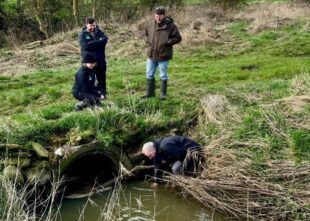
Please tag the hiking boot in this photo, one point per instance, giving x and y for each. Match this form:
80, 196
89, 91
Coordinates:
78, 107
150, 88
81, 105
163, 89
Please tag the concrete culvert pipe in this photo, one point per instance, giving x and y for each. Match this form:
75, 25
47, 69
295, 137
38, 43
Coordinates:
89, 166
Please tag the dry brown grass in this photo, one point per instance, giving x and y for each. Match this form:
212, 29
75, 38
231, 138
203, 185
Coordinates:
246, 197
29, 202
272, 15
230, 182
229, 185
52, 53
298, 101
199, 27
215, 108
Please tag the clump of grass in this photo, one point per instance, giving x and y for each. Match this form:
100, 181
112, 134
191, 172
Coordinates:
27, 202
301, 144
247, 197
215, 108
301, 84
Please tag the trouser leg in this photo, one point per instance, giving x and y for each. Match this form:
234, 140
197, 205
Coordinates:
177, 168
151, 68
86, 100
101, 77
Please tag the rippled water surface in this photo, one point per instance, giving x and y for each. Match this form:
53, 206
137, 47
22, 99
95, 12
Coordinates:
136, 201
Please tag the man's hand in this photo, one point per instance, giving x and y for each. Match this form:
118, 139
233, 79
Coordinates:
102, 97
154, 186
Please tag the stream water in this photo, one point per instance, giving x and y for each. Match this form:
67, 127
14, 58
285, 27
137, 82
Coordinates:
135, 202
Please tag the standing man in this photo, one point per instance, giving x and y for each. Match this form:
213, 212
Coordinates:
161, 35
176, 154
93, 41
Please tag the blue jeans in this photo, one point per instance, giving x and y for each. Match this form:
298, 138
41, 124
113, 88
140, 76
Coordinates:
151, 68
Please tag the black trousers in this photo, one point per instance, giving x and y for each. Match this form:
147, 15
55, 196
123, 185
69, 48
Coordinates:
91, 98
100, 70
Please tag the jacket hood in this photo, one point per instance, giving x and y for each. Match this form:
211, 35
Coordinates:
168, 20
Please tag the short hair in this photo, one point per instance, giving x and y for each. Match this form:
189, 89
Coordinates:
160, 10
149, 146
90, 20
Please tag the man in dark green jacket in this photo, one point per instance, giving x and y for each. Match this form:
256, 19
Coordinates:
161, 35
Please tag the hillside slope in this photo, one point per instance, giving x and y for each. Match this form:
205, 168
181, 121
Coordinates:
239, 85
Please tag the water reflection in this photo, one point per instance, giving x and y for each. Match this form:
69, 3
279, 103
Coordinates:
136, 202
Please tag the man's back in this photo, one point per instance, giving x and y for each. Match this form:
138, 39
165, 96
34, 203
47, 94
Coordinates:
174, 147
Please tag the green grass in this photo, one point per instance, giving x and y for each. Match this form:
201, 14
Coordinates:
255, 72
301, 144
39, 106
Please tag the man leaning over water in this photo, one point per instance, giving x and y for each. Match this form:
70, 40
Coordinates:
176, 154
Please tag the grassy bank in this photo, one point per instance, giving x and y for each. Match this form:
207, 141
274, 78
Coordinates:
239, 85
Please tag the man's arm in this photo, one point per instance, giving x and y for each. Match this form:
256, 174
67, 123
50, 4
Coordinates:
157, 166
174, 36
101, 41
146, 31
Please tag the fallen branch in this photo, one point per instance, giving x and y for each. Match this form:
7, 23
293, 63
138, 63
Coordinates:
133, 172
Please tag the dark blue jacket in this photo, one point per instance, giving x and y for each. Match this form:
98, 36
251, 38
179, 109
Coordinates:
85, 81
93, 44
170, 149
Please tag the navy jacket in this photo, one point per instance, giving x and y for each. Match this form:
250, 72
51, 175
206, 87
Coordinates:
85, 81
170, 149
93, 44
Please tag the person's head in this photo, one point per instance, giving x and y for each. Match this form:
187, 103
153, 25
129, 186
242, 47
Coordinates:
89, 61
159, 14
148, 150
91, 24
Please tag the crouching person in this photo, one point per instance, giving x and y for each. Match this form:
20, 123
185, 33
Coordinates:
176, 154
84, 88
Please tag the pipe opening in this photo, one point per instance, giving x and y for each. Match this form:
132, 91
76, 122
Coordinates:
87, 172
